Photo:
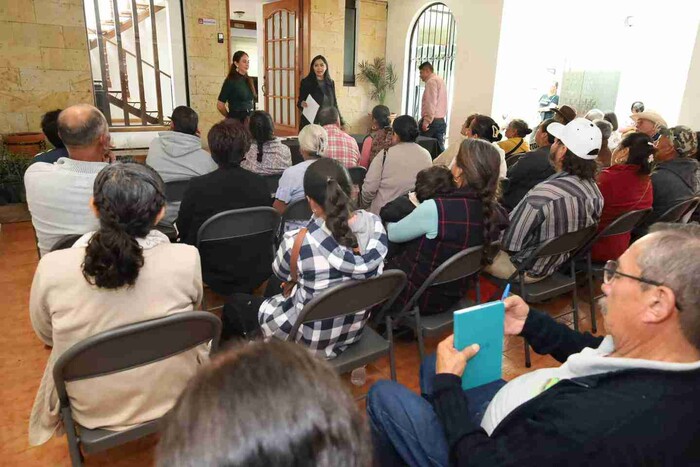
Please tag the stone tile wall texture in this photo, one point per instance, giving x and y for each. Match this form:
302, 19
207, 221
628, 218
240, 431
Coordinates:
43, 60
327, 39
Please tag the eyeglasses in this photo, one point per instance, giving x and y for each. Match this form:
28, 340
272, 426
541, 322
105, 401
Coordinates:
610, 271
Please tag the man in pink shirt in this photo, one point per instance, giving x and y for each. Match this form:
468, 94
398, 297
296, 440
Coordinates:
433, 106
341, 146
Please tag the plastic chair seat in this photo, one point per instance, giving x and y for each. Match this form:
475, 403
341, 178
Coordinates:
98, 439
370, 347
553, 286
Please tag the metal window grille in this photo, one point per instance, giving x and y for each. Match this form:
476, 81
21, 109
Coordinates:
432, 40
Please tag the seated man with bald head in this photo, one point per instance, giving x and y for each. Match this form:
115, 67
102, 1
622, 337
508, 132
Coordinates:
628, 398
58, 194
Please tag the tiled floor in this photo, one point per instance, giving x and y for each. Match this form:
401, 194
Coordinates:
22, 360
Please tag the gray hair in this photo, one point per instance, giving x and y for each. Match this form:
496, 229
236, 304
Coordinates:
605, 127
313, 139
672, 256
81, 125
594, 114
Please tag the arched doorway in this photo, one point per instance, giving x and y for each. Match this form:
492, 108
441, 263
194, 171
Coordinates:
432, 40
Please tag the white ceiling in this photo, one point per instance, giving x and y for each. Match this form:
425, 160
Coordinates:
247, 6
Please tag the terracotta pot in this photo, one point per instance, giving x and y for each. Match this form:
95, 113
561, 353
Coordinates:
26, 144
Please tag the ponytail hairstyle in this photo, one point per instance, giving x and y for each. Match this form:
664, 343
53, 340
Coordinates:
313, 139
480, 163
485, 127
328, 183
128, 198
520, 127
233, 73
381, 114
641, 151
262, 129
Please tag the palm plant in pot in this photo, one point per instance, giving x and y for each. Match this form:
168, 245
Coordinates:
12, 168
380, 75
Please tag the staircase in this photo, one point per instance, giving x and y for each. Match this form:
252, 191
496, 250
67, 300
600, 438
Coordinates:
135, 111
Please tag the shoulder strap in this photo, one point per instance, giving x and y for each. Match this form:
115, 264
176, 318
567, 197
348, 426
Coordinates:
522, 140
293, 270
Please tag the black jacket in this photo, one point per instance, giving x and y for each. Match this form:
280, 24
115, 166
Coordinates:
673, 181
231, 265
622, 418
396, 210
309, 85
531, 168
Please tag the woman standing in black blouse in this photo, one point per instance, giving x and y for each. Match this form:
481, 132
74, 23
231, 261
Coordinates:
319, 84
238, 90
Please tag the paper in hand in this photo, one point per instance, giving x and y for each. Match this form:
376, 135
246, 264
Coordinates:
311, 109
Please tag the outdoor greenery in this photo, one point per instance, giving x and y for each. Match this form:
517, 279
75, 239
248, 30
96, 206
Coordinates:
12, 168
380, 75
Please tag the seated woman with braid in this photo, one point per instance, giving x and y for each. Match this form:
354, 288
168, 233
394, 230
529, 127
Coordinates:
338, 244
111, 278
438, 228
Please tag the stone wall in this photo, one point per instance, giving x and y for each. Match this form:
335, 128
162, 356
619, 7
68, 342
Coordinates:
327, 38
44, 62
207, 60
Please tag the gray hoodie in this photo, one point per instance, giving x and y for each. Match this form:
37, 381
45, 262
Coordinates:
176, 156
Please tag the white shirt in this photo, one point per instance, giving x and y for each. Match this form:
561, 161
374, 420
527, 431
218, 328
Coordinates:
58, 197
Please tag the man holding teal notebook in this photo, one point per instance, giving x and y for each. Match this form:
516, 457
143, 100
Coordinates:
628, 398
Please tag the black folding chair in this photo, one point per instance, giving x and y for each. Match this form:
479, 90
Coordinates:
65, 242
466, 263
298, 210
273, 182
352, 297
556, 284
122, 349
678, 212
237, 236
622, 225
175, 190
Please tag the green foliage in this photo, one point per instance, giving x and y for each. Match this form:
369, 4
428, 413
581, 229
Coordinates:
380, 75
12, 168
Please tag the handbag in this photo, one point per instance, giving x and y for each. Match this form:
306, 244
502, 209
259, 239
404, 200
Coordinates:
289, 285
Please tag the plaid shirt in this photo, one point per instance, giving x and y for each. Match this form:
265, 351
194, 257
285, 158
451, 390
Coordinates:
276, 158
561, 204
341, 146
322, 264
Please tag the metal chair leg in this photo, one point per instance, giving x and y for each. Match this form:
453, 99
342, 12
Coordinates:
574, 295
591, 293
419, 335
477, 286
392, 357
528, 363
76, 457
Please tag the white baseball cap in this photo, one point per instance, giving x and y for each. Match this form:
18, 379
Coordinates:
580, 136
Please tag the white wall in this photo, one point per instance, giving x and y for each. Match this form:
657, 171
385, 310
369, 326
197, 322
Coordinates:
478, 31
690, 106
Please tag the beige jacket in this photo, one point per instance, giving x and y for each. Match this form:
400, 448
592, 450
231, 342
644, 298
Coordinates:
65, 309
388, 179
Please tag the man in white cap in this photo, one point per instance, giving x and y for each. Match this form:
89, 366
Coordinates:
566, 202
649, 123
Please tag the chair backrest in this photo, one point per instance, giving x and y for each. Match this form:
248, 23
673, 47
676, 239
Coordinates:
273, 182
625, 223
460, 265
297, 210
133, 346
351, 297
676, 212
175, 189
563, 244
688, 215
65, 242
239, 223
357, 175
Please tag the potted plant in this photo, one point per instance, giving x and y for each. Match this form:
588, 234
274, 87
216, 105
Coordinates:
12, 168
380, 75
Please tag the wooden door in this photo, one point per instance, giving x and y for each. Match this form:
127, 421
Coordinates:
284, 38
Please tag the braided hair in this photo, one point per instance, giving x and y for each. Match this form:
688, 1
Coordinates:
128, 198
328, 183
480, 164
262, 130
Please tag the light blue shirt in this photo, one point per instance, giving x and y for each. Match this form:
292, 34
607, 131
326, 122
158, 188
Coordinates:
291, 184
422, 221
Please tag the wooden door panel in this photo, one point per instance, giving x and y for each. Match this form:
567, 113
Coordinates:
281, 32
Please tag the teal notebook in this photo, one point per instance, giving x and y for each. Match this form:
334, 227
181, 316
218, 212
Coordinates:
483, 325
